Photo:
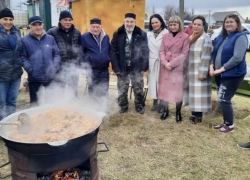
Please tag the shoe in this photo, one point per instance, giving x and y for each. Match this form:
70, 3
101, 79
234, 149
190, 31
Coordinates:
226, 129
218, 126
164, 115
140, 110
192, 119
244, 145
123, 110
178, 116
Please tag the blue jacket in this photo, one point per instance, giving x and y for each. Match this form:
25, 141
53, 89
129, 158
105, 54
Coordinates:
10, 51
228, 52
97, 56
41, 58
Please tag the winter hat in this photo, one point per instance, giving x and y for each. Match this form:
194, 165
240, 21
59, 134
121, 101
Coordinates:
130, 15
95, 21
65, 14
6, 13
35, 19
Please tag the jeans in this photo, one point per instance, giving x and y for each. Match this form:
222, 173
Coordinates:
34, 87
8, 97
226, 89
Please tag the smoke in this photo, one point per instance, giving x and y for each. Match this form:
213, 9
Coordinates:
63, 91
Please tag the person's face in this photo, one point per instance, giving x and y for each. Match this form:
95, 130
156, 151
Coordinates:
95, 29
7, 23
129, 24
230, 25
37, 28
174, 26
66, 23
198, 26
156, 24
167, 21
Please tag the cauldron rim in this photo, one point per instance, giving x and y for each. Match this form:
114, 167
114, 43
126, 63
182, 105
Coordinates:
53, 143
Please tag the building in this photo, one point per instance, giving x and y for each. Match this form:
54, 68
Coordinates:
220, 16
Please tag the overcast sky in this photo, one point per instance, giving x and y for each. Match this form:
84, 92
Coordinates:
203, 6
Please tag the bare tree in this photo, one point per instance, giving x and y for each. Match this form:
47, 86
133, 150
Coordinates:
171, 10
2, 4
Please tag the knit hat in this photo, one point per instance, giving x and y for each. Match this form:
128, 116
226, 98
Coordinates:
6, 13
130, 15
65, 14
95, 21
35, 19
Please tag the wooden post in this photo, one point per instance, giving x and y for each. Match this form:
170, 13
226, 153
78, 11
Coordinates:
181, 10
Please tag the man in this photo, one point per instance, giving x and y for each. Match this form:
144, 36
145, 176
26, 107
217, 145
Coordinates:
95, 45
129, 57
40, 56
10, 63
167, 21
68, 40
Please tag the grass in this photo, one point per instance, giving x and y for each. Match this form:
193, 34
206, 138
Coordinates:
144, 148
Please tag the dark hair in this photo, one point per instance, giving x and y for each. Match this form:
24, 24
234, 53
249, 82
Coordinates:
163, 25
201, 18
237, 20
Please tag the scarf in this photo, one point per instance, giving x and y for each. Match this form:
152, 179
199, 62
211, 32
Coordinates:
195, 36
157, 32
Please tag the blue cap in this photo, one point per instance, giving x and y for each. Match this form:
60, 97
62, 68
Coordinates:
35, 19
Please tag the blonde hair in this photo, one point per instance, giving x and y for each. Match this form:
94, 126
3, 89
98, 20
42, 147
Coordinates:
176, 19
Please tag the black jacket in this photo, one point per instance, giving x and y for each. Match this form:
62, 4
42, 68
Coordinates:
139, 55
70, 51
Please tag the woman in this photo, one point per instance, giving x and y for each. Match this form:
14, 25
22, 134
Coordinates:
199, 80
229, 67
157, 30
10, 63
173, 52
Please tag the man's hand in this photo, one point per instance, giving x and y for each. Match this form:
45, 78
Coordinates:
201, 79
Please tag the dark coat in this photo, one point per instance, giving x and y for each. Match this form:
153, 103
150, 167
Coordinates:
41, 58
70, 53
139, 55
10, 59
94, 55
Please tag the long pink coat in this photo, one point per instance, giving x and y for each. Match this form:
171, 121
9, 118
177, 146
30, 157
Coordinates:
175, 49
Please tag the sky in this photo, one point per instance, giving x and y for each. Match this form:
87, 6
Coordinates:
200, 6
203, 6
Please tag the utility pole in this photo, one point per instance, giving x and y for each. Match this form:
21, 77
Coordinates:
181, 10
209, 18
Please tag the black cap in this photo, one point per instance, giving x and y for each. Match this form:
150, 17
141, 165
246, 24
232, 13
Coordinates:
130, 15
65, 14
6, 13
95, 21
35, 19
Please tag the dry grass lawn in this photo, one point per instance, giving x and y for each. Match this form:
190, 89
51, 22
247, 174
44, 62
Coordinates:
144, 148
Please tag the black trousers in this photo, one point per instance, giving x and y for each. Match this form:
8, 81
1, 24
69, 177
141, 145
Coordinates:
34, 87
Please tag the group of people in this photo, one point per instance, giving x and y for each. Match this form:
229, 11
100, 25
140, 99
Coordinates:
180, 65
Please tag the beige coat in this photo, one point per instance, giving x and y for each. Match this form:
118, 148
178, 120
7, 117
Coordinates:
154, 62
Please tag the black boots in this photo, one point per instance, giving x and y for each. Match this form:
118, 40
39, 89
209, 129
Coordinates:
155, 105
164, 114
123, 110
161, 107
178, 112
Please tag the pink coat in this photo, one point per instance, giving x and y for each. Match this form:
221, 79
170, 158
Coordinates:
175, 50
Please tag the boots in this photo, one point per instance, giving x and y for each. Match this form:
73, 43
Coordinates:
155, 105
178, 112
161, 107
165, 112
